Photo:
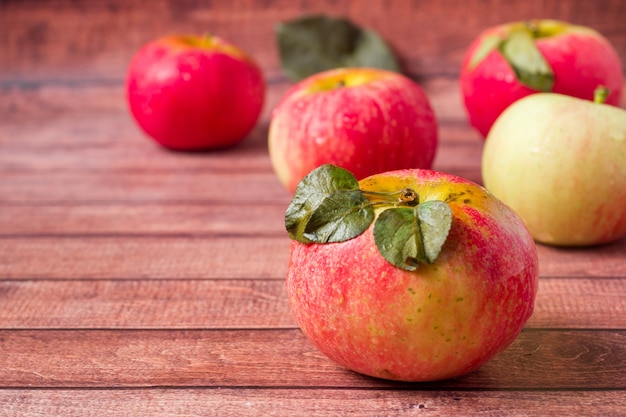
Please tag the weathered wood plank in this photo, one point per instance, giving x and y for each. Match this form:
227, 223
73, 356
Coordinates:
141, 186
607, 260
227, 402
68, 39
221, 257
538, 360
597, 303
137, 257
142, 219
141, 304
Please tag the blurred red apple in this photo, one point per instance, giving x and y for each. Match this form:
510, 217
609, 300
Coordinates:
363, 119
194, 93
410, 275
510, 61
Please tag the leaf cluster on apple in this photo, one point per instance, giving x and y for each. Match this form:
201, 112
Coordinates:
513, 60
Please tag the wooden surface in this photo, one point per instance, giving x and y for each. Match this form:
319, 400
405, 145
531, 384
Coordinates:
137, 281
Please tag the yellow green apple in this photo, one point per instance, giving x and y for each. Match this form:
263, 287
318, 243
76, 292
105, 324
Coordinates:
560, 162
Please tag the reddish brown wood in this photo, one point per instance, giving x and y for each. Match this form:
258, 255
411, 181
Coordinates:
596, 303
538, 359
255, 402
142, 219
148, 257
83, 40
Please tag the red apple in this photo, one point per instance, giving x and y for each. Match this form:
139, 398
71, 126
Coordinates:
363, 119
411, 275
510, 61
194, 93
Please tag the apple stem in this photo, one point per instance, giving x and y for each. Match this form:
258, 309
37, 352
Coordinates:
406, 196
532, 27
600, 94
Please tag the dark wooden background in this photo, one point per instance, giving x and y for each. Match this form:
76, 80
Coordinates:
137, 281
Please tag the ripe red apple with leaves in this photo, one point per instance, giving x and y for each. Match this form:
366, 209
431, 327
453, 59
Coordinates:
194, 93
363, 119
411, 275
510, 61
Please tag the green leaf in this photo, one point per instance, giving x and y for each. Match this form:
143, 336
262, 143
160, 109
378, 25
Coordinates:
316, 43
406, 236
530, 66
435, 218
328, 206
341, 216
311, 192
397, 235
488, 44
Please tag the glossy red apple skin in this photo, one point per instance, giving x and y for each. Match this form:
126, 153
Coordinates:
190, 93
441, 321
581, 60
362, 119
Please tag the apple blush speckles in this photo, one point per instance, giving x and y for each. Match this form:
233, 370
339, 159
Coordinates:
373, 121
441, 320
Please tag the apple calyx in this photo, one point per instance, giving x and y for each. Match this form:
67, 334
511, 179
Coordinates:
328, 207
208, 42
520, 51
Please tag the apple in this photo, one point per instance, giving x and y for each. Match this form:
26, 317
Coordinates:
560, 162
411, 275
510, 61
363, 119
194, 93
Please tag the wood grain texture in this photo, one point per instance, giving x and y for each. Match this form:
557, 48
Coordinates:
150, 257
564, 303
541, 360
86, 40
227, 402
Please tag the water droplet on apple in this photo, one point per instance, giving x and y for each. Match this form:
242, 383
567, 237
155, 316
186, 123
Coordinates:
617, 135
